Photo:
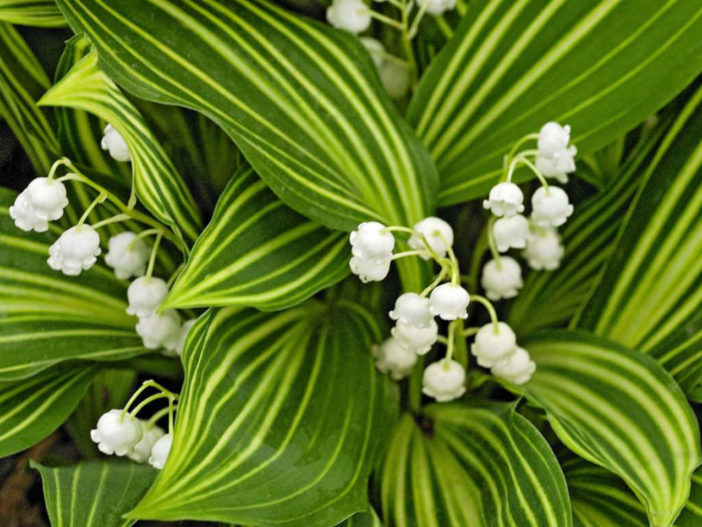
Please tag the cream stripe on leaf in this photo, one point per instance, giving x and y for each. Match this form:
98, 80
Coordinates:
649, 296
33, 408
299, 99
257, 252
38, 13
619, 409
266, 397
478, 465
47, 317
158, 185
93, 493
601, 66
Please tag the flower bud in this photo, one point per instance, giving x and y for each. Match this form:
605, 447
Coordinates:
444, 380
550, 206
349, 15
375, 48
449, 302
412, 309
47, 197
370, 270
127, 255
116, 435
438, 234
145, 294
492, 345
553, 139
517, 367
160, 330
115, 144
184, 330
544, 249
391, 356
511, 232
437, 7
418, 340
502, 278
371, 242
160, 451
25, 216
142, 450
75, 250
505, 199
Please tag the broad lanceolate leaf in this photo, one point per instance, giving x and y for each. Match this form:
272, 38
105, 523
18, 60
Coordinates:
650, 295
553, 297
279, 420
300, 99
257, 252
22, 81
477, 466
93, 492
691, 516
363, 519
158, 186
619, 409
601, 66
41, 13
30, 409
47, 317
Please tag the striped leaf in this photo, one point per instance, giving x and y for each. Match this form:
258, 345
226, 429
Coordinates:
93, 493
363, 519
691, 516
31, 409
600, 498
481, 465
300, 99
619, 409
47, 317
279, 420
22, 81
40, 13
158, 186
650, 295
602, 66
257, 252
552, 298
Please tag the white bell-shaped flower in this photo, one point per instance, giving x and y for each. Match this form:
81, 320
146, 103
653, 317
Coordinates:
418, 340
371, 241
184, 330
47, 197
349, 15
127, 255
505, 199
437, 7
517, 367
502, 278
550, 206
449, 302
145, 294
142, 450
160, 330
511, 232
375, 49
114, 143
493, 344
553, 139
412, 309
116, 435
544, 249
395, 78
438, 234
160, 451
394, 358
559, 167
444, 380
370, 270
76, 250
24, 215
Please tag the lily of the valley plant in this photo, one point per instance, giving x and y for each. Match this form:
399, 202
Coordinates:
402, 263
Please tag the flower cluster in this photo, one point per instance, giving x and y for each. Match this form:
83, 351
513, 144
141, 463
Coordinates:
121, 433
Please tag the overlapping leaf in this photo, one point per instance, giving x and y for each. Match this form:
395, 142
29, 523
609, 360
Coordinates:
650, 295
93, 493
41, 13
257, 252
619, 409
601, 66
46, 317
691, 516
300, 99
363, 519
30, 409
159, 187
484, 465
279, 420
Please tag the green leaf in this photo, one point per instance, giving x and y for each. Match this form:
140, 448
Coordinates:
621, 410
600, 498
551, 298
691, 516
93, 492
601, 66
257, 252
47, 317
39, 13
649, 297
22, 81
159, 187
279, 421
31, 409
363, 519
481, 465
301, 100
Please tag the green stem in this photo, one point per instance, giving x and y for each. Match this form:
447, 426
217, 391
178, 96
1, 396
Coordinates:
492, 244
148, 400
170, 414
490, 308
415, 386
101, 197
152, 258
143, 234
385, 19
158, 415
436, 282
64, 161
174, 275
113, 219
404, 254
443, 27
451, 343
417, 19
